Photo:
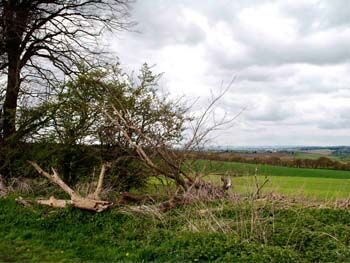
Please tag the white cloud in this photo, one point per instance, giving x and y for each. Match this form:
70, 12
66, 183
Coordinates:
292, 59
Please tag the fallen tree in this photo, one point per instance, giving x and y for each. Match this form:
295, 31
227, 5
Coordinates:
167, 161
91, 202
150, 129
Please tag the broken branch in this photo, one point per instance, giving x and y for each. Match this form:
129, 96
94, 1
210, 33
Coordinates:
92, 203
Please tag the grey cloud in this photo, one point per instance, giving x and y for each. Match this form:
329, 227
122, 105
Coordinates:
270, 111
330, 18
341, 120
302, 50
293, 82
335, 125
162, 24
319, 15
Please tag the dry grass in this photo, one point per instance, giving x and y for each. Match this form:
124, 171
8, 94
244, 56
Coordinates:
20, 185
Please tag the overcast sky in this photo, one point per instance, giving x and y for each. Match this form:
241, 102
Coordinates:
291, 59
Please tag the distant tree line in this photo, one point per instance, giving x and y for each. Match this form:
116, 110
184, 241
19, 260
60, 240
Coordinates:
320, 163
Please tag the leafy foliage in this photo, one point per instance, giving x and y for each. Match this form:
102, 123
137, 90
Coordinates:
78, 112
72, 132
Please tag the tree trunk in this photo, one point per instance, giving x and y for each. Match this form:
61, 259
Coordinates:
15, 17
12, 90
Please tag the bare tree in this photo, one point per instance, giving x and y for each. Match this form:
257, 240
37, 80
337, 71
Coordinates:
40, 38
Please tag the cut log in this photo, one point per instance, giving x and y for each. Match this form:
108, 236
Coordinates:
92, 202
82, 203
53, 202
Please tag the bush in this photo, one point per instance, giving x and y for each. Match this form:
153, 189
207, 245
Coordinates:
74, 163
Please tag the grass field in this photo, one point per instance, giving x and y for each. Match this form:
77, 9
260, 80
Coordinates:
229, 232
242, 230
320, 184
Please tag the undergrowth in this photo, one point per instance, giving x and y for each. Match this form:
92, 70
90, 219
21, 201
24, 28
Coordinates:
241, 231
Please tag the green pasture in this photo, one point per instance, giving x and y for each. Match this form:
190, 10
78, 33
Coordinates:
314, 188
320, 184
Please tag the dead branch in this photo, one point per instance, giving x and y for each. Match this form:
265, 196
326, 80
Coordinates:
54, 178
139, 149
259, 187
97, 194
199, 125
92, 202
